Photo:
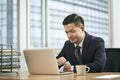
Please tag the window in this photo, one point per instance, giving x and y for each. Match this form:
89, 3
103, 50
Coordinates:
95, 14
8, 22
35, 24
45, 18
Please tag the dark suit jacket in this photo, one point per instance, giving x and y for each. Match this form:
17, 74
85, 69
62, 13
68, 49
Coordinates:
93, 53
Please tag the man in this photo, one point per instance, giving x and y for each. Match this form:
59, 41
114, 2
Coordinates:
92, 49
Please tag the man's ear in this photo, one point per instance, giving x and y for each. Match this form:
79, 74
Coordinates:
83, 28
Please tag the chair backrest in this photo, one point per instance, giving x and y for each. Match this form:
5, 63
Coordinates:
113, 60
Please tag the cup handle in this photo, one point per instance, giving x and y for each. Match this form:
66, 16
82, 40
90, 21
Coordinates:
88, 69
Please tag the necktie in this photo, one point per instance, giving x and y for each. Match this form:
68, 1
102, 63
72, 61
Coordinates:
78, 54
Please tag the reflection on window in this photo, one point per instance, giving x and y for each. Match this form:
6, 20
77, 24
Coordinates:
35, 23
94, 12
8, 22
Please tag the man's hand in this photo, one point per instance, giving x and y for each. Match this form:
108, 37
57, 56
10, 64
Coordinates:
67, 67
61, 61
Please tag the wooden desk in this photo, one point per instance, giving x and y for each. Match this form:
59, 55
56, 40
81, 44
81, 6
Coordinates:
26, 76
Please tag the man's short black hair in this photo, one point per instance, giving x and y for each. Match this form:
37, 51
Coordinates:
73, 18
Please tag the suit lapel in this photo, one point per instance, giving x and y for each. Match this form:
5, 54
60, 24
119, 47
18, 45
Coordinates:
85, 46
71, 54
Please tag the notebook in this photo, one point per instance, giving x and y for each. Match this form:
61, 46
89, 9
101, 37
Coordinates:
42, 61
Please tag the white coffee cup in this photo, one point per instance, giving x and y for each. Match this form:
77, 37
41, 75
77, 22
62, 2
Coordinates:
82, 70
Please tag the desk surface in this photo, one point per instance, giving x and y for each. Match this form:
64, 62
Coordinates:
26, 76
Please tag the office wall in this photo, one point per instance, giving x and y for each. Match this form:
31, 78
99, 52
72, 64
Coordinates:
116, 23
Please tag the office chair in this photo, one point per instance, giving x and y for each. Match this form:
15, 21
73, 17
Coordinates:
113, 60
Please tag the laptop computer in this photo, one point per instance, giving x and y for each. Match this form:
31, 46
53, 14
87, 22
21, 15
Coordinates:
42, 61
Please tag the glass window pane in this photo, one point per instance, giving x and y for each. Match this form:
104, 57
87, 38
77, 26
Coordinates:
95, 14
35, 24
8, 22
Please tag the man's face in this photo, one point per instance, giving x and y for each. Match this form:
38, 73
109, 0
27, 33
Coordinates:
74, 33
